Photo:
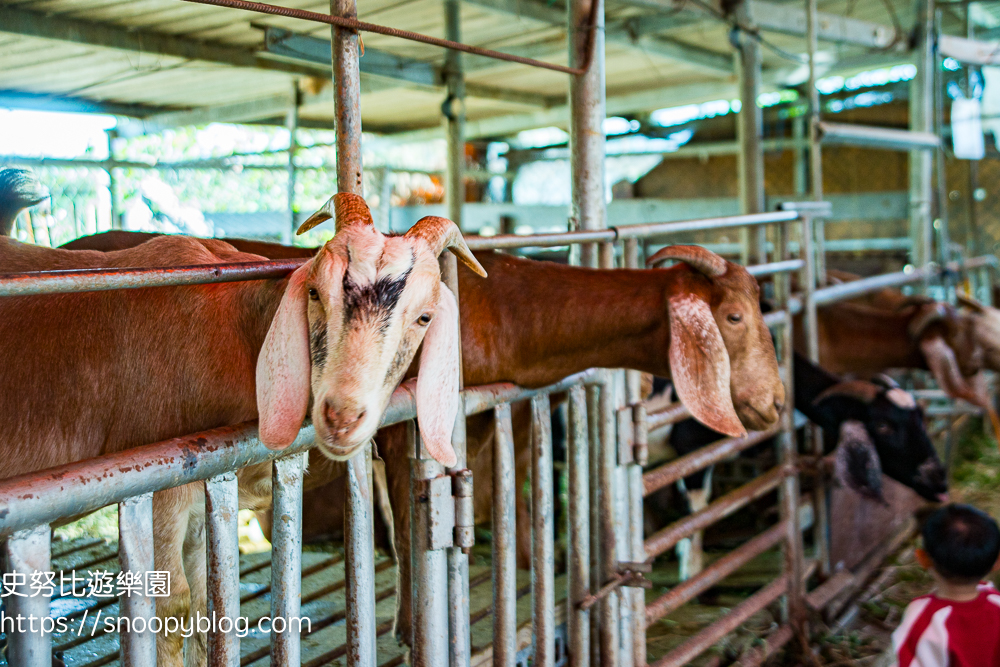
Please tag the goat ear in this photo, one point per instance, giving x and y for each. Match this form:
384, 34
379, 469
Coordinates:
944, 366
856, 462
437, 381
699, 365
283, 367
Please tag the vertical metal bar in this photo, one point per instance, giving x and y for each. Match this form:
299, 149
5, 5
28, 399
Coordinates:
586, 103
606, 473
292, 125
504, 535
578, 552
358, 527
789, 489
115, 223
286, 554
135, 555
815, 148
750, 128
347, 100
359, 533
943, 235
459, 632
594, 510
635, 597
454, 110
28, 552
543, 599
221, 508
922, 120
429, 566
800, 160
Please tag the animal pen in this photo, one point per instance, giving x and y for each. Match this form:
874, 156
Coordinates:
596, 612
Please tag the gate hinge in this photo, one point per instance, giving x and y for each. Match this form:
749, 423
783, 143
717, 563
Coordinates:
633, 436
446, 502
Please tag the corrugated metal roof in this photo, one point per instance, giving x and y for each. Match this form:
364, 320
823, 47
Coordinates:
51, 65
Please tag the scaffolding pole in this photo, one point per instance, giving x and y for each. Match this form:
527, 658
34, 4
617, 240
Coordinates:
454, 113
292, 124
922, 120
586, 100
750, 131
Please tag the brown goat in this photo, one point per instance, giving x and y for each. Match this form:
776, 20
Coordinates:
92, 373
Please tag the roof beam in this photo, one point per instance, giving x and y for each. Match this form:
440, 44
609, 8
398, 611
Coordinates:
621, 34
294, 47
829, 27
18, 99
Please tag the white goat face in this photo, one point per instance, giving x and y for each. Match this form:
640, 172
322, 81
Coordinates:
371, 301
348, 326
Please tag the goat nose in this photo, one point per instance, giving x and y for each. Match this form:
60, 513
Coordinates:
339, 420
778, 404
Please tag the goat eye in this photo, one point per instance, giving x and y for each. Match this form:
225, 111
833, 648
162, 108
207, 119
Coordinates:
734, 318
424, 319
313, 294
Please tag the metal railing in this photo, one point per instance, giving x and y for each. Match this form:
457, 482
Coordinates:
604, 611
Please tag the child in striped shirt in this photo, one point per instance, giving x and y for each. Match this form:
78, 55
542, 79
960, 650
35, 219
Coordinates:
958, 625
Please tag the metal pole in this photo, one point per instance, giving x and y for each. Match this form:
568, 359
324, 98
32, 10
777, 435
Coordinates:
504, 535
941, 223
454, 113
596, 548
609, 610
135, 554
578, 552
459, 631
922, 120
358, 528
286, 554
633, 397
750, 128
586, 103
815, 148
292, 124
28, 552
800, 170
112, 183
429, 564
542, 550
221, 507
789, 489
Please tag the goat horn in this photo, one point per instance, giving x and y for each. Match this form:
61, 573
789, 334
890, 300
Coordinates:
698, 258
928, 315
970, 303
346, 208
866, 392
441, 234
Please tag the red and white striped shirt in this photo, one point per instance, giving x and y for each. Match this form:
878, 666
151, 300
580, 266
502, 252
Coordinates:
945, 633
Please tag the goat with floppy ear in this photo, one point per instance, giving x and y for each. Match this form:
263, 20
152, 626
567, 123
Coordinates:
378, 297
707, 379
340, 332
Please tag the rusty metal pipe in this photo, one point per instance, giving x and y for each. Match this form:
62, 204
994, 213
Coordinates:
542, 548
222, 504
135, 554
705, 639
578, 552
28, 551
352, 24
686, 591
286, 554
678, 469
721, 508
98, 280
504, 536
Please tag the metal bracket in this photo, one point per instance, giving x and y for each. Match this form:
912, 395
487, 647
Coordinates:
465, 515
631, 574
447, 502
633, 436
626, 436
